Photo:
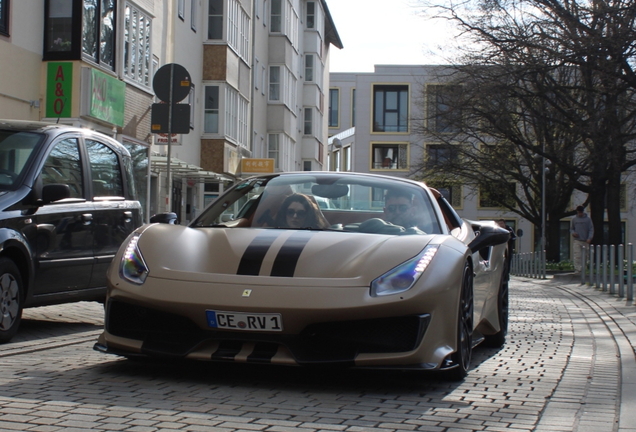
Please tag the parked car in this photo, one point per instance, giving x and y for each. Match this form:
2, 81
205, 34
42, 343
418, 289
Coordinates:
67, 202
343, 287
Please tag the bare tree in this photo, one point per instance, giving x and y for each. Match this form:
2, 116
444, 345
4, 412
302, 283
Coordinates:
541, 79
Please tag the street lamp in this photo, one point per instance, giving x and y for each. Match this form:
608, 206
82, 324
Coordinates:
542, 243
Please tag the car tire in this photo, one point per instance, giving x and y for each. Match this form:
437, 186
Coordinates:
11, 292
498, 339
462, 356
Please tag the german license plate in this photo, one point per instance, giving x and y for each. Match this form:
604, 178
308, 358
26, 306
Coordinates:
244, 321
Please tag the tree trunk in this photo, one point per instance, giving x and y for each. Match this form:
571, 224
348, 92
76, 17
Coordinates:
553, 238
597, 208
614, 209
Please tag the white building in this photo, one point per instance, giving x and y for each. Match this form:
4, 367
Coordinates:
371, 130
259, 73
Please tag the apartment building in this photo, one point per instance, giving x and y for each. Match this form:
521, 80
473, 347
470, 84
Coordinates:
259, 73
372, 129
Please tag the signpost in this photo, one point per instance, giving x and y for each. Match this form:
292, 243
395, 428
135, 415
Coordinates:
171, 84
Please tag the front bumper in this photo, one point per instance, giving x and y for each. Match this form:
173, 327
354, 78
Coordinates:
164, 334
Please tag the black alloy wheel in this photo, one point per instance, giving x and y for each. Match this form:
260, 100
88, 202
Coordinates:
498, 339
10, 299
462, 356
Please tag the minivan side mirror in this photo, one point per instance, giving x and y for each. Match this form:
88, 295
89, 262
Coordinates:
167, 218
55, 192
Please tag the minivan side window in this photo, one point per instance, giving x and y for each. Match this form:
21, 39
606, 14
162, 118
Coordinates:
62, 166
105, 170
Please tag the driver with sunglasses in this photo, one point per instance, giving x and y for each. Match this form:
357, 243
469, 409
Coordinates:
398, 208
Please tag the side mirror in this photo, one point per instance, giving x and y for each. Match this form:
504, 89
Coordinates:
167, 218
55, 192
488, 236
519, 232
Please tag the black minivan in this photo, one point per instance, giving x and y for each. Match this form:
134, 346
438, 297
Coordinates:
67, 202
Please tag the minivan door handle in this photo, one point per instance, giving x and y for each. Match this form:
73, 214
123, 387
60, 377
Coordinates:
128, 216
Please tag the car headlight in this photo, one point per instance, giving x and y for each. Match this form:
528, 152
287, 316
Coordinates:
404, 276
133, 268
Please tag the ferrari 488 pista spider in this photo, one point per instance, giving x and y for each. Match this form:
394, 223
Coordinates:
313, 268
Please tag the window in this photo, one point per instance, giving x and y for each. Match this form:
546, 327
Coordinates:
4, 17
137, 54
62, 24
273, 148
309, 114
181, 8
238, 29
274, 83
211, 116
334, 101
502, 197
452, 193
98, 31
390, 108
63, 165
284, 20
194, 14
236, 116
309, 67
311, 15
105, 171
353, 107
282, 86
256, 71
215, 19
276, 16
389, 156
445, 114
440, 155
306, 165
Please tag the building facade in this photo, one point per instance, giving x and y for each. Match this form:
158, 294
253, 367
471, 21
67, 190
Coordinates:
372, 120
258, 73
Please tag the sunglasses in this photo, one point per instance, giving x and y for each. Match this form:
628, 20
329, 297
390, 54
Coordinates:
402, 208
300, 213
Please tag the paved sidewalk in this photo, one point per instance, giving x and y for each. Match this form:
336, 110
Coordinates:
613, 333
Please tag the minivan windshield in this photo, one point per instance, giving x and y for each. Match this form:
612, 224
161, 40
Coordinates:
16, 149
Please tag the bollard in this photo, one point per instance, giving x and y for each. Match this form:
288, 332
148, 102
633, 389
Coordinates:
612, 270
630, 278
597, 276
583, 262
604, 271
591, 266
621, 271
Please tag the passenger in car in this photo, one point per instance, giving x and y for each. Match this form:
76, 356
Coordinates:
300, 211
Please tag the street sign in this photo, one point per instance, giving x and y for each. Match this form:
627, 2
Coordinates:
257, 166
180, 87
160, 114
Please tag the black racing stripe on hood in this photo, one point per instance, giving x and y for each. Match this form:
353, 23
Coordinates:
254, 255
287, 258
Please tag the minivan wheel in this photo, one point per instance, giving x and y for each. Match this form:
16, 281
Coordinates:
10, 299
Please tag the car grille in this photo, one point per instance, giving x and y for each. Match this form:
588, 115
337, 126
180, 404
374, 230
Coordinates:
170, 334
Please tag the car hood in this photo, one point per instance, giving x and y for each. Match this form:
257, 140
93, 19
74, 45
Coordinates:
223, 254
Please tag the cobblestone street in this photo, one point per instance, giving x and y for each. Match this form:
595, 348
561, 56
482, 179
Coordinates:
568, 365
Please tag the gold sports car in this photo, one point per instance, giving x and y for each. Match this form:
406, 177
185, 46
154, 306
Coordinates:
312, 268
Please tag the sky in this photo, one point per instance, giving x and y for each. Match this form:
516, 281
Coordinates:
383, 32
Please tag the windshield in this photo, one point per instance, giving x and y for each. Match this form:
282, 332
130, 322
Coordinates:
16, 149
329, 201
